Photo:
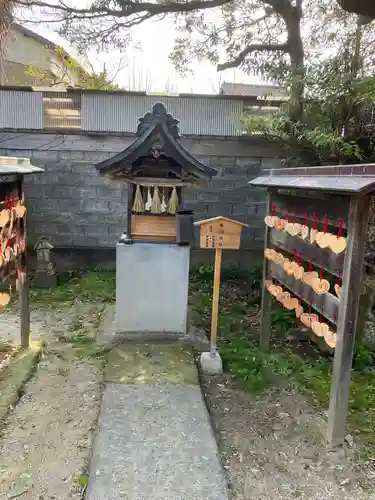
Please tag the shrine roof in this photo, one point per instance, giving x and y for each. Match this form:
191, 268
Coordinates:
220, 217
20, 166
346, 179
156, 130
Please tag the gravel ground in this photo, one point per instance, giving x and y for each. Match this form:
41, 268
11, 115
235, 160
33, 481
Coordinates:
273, 448
46, 443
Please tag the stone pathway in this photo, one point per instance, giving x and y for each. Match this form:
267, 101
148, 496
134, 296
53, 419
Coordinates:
46, 441
155, 439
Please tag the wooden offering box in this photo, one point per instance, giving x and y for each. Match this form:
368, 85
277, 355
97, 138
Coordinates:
156, 228
156, 168
315, 235
220, 232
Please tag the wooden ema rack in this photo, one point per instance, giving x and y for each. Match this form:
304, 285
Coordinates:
332, 200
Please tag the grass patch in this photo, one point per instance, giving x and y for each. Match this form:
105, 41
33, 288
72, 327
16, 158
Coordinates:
283, 367
83, 480
84, 345
93, 286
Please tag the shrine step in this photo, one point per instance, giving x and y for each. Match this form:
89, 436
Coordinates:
155, 439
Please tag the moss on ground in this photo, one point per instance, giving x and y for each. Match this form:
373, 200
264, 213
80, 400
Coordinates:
151, 364
93, 286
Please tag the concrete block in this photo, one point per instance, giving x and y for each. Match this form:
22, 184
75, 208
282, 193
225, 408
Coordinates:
219, 185
94, 157
96, 206
205, 197
70, 205
151, 288
87, 193
211, 363
62, 240
38, 204
81, 167
98, 231
85, 241
219, 162
45, 155
112, 192
74, 179
72, 155
70, 229
61, 192
272, 163
20, 153
248, 162
119, 205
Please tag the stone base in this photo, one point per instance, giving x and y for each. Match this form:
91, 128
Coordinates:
45, 280
152, 281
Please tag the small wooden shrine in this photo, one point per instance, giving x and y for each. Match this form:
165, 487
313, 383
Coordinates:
315, 236
156, 168
153, 255
13, 238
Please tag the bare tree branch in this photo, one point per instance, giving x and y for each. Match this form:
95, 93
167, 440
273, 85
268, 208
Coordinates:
127, 8
261, 47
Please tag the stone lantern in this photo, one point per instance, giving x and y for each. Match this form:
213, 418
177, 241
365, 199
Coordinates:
45, 273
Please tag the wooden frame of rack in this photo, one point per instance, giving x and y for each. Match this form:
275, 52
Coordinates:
13, 236
338, 198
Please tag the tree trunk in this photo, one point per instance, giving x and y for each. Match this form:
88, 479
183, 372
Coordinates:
297, 62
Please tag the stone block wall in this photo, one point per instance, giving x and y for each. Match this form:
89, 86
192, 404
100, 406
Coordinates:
75, 207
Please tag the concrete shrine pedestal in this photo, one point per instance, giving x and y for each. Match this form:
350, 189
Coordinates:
152, 281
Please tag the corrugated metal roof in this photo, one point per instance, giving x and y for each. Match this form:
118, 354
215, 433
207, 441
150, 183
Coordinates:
197, 115
9, 165
21, 110
254, 90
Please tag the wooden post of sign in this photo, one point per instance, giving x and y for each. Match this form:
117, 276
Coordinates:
24, 286
265, 319
215, 299
347, 320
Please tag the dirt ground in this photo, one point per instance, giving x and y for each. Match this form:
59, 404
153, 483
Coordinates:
46, 442
272, 447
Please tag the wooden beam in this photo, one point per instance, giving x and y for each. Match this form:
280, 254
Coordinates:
335, 207
347, 320
24, 288
323, 258
326, 304
215, 300
265, 319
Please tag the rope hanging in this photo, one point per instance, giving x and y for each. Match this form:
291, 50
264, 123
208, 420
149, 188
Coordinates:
173, 202
156, 203
138, 205
149, 200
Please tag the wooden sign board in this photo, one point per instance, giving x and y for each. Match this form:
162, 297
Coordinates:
220, 232
315, 235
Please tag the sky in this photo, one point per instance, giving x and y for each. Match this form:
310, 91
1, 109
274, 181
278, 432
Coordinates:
149, 68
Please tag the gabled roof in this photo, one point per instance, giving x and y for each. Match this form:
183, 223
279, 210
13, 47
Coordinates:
161, 129
220, 217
